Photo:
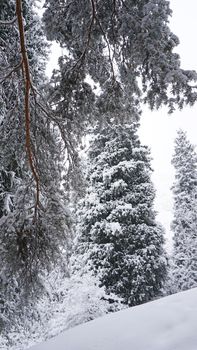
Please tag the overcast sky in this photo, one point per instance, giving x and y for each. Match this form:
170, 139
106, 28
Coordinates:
158, 129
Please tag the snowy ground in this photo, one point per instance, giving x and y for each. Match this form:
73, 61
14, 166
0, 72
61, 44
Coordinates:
166, 324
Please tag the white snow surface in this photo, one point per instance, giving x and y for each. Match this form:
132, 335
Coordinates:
169, 323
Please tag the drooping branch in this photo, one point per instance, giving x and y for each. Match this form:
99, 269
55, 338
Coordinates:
94, 19
89, 31
108, 47
18, 66
49, 114
28, 84
8, 23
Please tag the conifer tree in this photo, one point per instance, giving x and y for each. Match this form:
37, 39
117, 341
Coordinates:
118, 231
184, 225
34, 219
114, 43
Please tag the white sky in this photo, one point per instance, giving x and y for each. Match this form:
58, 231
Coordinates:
158, 129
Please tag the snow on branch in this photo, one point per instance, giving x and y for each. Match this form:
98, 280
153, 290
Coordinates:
8, 23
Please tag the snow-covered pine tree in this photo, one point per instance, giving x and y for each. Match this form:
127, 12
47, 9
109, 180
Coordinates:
118, 232
119, 44
184, 225
32, 233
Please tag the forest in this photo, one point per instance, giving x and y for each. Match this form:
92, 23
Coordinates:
79, 235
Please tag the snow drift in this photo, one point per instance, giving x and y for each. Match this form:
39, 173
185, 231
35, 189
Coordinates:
166, 324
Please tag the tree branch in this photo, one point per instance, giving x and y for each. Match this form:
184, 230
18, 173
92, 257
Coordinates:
11, 72
8, 23
93, 17
108, 47
28, 84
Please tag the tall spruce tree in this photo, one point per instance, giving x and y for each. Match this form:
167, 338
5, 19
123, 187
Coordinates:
184, 225
118, 231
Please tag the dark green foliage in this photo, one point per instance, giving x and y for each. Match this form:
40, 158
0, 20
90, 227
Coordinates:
117, 229
118, 43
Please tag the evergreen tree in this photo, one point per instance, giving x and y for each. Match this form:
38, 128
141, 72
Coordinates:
112, 43
118, 231
33, 230
119, 45
184, 225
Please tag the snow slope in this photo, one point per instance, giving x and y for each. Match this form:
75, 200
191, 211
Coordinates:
166, 324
